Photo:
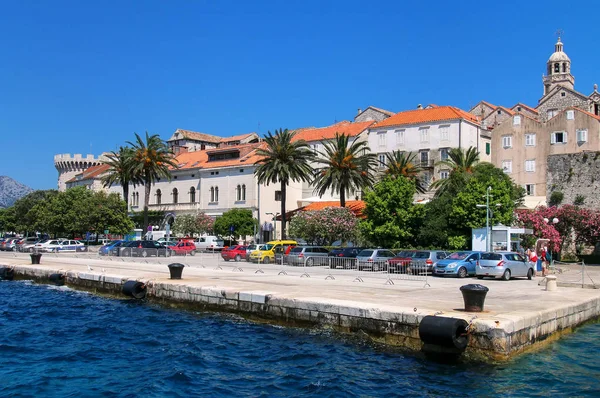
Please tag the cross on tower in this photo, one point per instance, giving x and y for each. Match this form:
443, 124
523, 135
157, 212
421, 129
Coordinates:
559, 33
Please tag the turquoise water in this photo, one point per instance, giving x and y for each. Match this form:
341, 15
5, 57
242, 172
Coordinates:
59, 342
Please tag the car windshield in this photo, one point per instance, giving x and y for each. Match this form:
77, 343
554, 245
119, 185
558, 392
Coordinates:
268, 247
491, 256
365, 253
405, 254
458, 256
297, 250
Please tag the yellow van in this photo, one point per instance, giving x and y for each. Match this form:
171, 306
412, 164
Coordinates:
267, 254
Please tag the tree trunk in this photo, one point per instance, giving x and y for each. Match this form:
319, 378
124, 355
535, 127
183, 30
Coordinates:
283, 195
126, 196
342, 196
147, 187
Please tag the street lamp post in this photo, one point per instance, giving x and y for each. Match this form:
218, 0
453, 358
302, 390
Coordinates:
488, 241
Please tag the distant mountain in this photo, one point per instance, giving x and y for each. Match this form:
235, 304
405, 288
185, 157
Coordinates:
11, 190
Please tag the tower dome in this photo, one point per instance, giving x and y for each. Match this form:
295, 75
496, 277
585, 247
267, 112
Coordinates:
559, 55
558, 69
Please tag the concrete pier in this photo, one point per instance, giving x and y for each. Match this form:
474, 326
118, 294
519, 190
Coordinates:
518, 314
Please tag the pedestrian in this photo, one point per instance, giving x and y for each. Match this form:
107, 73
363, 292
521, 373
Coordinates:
544, 260
533, 257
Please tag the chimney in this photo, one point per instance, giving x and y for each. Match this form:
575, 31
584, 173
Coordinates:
419, 106
359, 111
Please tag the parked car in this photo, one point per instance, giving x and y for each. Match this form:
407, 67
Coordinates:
504, 265
415, 261
344, 257
71, 245
461, 264
251, 248
374, 259
144, 248
111, 248
309, 255
26, 243
282, 253
50, 245
267, 253
237, 253
211, 243
183, 248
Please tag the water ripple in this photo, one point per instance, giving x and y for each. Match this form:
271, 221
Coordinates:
61, 342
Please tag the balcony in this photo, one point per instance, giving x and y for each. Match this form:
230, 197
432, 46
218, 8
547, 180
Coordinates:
427, 164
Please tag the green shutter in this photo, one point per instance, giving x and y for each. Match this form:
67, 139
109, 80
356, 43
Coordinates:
487, 148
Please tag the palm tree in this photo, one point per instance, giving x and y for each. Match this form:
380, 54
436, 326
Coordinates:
461, 165
402, 164
283, 160
119, 171
346, 167
150, 161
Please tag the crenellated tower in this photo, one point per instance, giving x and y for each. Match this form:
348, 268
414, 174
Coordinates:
69, 166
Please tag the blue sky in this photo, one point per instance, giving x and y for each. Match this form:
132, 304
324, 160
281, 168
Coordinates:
83, 76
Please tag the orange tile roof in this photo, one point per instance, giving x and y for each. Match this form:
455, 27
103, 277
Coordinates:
417, 116
586, 112
199, 159
524, 106
91, 172
327, 133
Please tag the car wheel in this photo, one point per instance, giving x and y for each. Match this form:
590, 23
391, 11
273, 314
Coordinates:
193, 253
31, 250
462, 272
238, 258
266, 260
506, 275
530, 274
310, 262
479, 276
144, 253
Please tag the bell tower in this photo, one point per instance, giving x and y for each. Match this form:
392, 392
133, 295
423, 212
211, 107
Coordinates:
558, 69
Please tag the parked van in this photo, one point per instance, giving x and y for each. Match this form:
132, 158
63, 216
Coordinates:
210, 242
267, 253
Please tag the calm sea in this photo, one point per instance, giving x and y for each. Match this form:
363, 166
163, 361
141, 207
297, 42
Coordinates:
59, 342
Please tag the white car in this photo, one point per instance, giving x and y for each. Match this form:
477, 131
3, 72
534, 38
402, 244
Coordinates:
72, 246
50, 245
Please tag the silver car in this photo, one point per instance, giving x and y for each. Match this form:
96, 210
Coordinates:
311, 255
504, 265
251, 248
374, 259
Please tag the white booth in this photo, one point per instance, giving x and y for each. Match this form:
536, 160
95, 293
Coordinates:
503, 238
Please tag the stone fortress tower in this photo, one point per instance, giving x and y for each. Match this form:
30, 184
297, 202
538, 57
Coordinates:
68, 166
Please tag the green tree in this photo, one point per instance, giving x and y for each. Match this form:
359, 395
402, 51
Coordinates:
151, 160
7, 219
392, 218
346, 167
120, 170
108, 212
402, 164
283, 160
155, 217
186, 224
461, 164
241, 220
25, 221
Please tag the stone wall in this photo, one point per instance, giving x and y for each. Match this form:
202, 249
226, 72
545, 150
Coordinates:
575, 174
370, 114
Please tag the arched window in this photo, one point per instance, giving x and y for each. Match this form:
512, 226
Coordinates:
238, 193
244, 192
212, 194
564, 67
216, 194
137, 198
175, 195
557, 67
158, 196
133, 199
192, 195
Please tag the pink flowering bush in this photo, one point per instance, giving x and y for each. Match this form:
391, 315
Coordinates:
325, 226
204, 223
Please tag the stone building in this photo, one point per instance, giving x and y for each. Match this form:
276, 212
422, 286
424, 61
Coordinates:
564, 121
576, 176
68, 166
372, 114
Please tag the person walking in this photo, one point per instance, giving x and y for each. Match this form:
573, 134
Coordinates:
534, 259
544, 260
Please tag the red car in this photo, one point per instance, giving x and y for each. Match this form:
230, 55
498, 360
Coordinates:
184, 248
234, 253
